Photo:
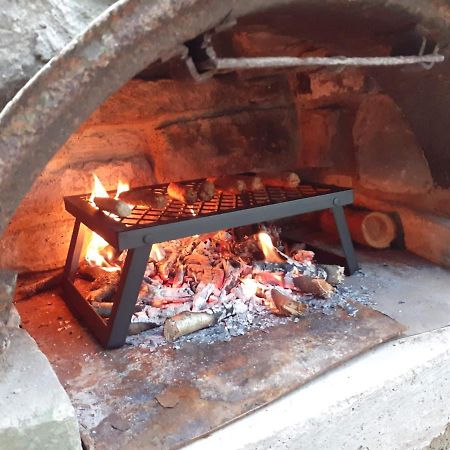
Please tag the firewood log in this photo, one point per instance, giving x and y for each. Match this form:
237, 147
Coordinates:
252, 182
335, 274
117, 207
206, 191
187, 322
315, 286
104, 309
182, 193
229, 184
145, 198
370, 228
283, 179
139, 327
286, 305
90, 273
102, 294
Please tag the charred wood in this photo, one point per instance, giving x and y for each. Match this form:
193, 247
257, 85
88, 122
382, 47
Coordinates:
206, 191
187, 322
182, 193
145, 198
315, 286
335, 274
287, 305
283, 179
111, 205
41, 285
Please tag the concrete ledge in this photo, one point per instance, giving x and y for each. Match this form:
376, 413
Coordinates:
394, 397
36, 412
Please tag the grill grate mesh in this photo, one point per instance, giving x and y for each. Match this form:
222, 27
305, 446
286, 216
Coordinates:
221, 202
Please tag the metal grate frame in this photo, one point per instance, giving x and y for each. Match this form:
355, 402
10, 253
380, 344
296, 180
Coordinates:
147, 226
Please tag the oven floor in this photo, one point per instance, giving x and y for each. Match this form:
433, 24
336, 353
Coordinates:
119, 394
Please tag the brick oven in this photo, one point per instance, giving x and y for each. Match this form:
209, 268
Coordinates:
349, 99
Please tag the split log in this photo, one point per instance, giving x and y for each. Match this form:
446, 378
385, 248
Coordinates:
335, 274
283, 179
229, 184
102, 294
104, 309
182, 193
41, 285
286, 305
206, 191
187, 322
315, 286
111, 205
106, 278
252, 182
145, 198
370, 228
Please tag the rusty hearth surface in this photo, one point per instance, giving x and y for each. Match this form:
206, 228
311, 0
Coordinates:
119, 394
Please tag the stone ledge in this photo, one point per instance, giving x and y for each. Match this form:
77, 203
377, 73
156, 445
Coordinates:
36, 411
395, 396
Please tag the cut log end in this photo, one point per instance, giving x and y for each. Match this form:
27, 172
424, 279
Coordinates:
111, 205
378, 229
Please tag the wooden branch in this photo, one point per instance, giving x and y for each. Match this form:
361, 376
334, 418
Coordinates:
283, 179
90, 273
103, 293
286, 305
315, 286
206, 191
41, 285
145, 198
104, 309
335, 274
182, 193
229, 184
117, 207
185, 323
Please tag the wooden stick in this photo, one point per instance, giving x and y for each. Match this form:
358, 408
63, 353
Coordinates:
103, 308
185, 323
206, 191
117, 207
229, 184
41, 285
316, 286
139, 327
145, 198
286, 305
370, 228
182, 193
283, 179
103, 293
335, 274
90, 273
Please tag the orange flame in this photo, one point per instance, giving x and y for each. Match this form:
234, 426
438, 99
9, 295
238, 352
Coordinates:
96, 249
268, 249
157, 253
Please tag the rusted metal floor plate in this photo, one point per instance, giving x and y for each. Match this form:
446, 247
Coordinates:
207, 386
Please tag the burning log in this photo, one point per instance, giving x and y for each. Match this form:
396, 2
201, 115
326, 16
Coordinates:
111, 205
252, 182
90, 273
229, 184
145, 198
283, 179
315, 286
182, 193
335, 274
370, 228
206, 191
286, 305
187, 322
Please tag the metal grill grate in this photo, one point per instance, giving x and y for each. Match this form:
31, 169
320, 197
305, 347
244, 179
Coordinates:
221, 202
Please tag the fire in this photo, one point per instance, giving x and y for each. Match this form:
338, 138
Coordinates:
157, 253
121, 187
98, 252
268, 249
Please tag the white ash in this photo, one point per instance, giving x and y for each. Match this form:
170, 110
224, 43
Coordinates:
214, 273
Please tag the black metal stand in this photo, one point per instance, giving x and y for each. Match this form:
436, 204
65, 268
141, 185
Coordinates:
137, 237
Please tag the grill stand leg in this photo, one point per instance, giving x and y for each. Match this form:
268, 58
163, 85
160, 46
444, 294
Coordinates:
73, 256
130, 284
346, 241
